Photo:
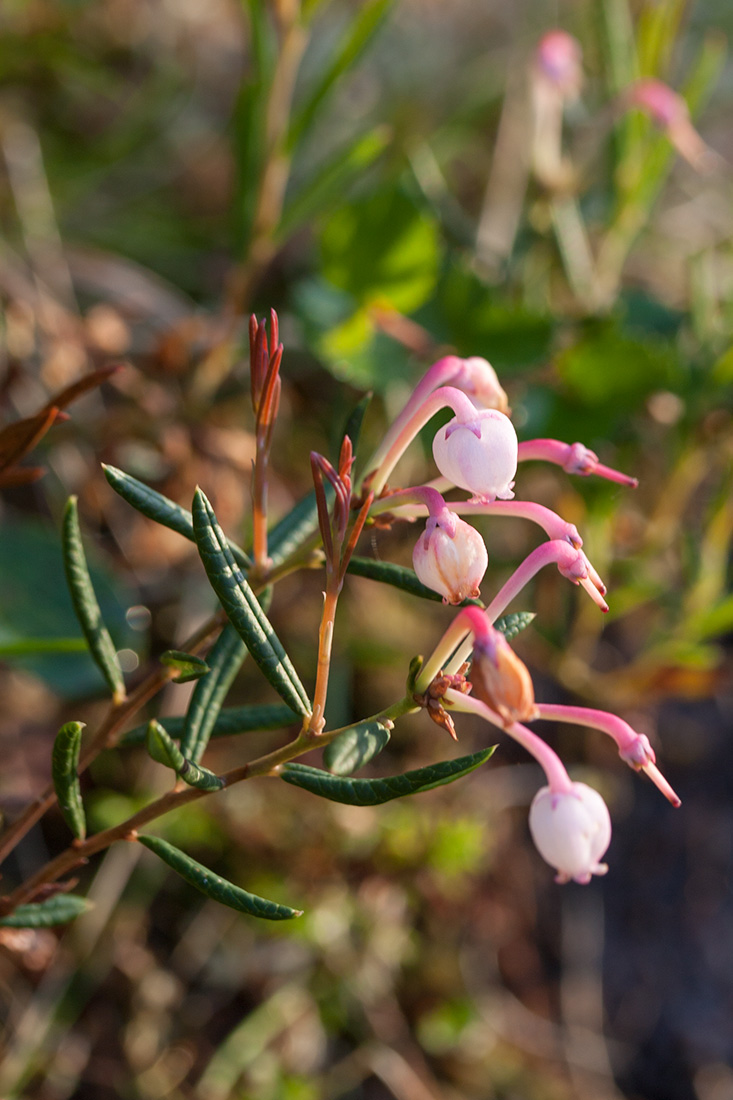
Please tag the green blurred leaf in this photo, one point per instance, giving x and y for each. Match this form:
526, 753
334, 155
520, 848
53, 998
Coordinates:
243, 609
229, 722
85, 602
373, 792
609, 368
64, 772
215, 887
27, 647
397, 248
188, 666
46, 914
225, 659
355, 747
160, 509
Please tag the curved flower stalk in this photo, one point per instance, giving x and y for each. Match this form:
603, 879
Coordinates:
554, 526
474, 376
575, 458
569, 822
556, 79
494, 441
670, 112
634, 748
450, 556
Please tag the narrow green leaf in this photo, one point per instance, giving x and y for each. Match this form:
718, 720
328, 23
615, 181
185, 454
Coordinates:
85, 603
45, 914
224, 660
160, 508
511, 625
161, 747
215, 887
355, 421
329, 181
294, 529
243, 609
231, 721
399, 577
64, 771
197, 776
372, 792
164, 750
355, 747
361, 30
189, 667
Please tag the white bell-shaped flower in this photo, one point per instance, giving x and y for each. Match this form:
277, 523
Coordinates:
572, 830
451, 562
479, 455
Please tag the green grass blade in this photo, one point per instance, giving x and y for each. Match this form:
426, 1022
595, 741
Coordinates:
372, 792
243, 609
64, 772
355, 747
85, 603
225, 659
399, 577
46, 914
160, 508
229, 722
215, 887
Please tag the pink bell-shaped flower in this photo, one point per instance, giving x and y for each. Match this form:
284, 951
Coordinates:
479, 454
572, 830
450, 557
477, 378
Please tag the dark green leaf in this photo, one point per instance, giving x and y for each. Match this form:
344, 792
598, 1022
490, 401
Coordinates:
243, 609
160, 508
189, 667
161, 748
399, 577
45, 914
224, 660
85, 603
166, 752
294, 529
233, 720
511, 625
215, 887
355, 747
372, 792
355, 421
64, 765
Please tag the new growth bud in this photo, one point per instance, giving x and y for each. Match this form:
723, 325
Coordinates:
500, 679
479, 454
450, 557
477, 378
572, 830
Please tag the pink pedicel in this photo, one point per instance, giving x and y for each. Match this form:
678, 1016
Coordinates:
572, 831
670, 112
574, 458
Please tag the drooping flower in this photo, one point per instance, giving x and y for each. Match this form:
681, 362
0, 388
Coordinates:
479, 454
450, 558
670, 112
571, 830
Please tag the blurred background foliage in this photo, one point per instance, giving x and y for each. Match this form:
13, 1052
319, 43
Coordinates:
364, 166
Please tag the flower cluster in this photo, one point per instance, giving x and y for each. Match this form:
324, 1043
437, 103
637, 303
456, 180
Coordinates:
478, 451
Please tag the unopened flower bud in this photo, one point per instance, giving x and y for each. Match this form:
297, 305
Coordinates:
450, 557
476, 377
670, 112
559, 62
479, 455
572, 830
501, 680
